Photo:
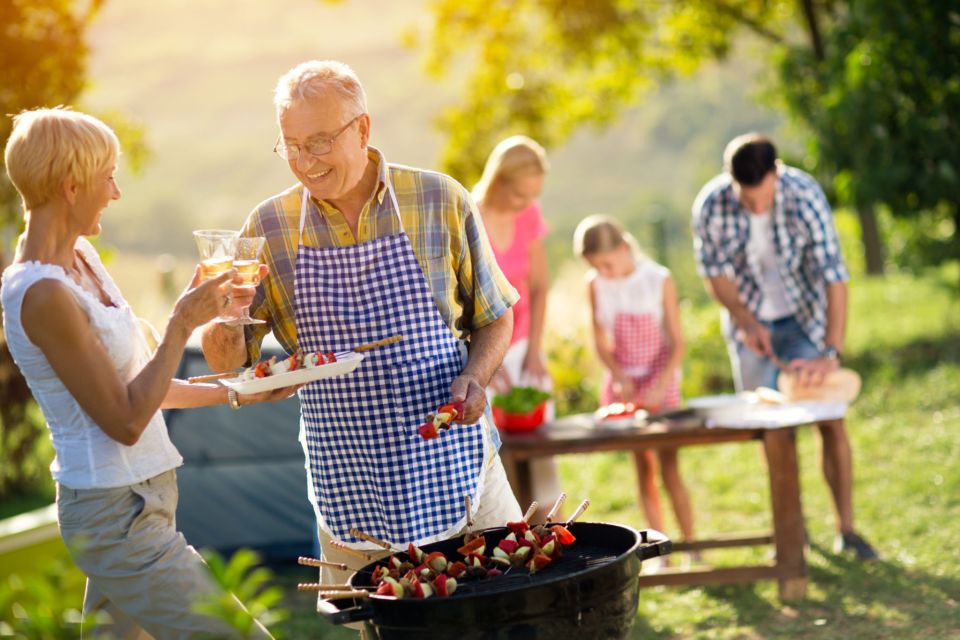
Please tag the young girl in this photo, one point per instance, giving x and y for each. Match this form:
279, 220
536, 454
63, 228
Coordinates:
636, 326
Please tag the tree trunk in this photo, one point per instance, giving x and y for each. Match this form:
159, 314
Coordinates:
870, 237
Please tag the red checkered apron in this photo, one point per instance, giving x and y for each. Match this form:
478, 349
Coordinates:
638, 344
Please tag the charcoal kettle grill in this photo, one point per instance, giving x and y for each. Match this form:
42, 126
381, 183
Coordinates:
591, 591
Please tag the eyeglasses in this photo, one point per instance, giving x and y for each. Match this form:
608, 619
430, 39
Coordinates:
316, 146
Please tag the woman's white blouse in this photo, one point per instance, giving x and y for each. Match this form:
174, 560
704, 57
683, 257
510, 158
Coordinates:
86, 457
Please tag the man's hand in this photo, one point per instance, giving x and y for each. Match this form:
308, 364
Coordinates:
811, 373
756, 337
467, 390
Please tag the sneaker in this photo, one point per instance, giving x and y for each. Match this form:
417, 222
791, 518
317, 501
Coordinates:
852, 542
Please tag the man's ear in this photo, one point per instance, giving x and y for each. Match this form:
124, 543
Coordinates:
70, 189
363, 124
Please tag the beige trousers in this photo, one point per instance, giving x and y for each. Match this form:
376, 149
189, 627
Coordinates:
497, 507
140, 569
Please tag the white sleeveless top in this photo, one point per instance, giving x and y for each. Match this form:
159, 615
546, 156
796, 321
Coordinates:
86, 457
639, 293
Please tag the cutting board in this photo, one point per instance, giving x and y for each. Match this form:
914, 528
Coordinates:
841, 385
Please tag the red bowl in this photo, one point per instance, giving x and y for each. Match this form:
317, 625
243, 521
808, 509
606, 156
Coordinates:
519, 422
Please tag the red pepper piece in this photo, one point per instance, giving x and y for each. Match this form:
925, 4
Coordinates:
538, 562
519, 527
262, 370
453, 408
428, 431
331, 357
564, 536
472, 546
456, 569
509, 546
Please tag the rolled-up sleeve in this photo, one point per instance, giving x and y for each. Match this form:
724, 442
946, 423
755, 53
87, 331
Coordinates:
825, 243
712, 260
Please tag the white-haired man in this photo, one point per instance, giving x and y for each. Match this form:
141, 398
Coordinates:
359, 250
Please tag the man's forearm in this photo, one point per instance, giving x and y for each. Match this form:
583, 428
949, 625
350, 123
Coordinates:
223, 347
836, 315
725, 292
487, 347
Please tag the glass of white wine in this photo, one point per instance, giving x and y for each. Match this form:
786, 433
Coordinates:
246, 260
217, 248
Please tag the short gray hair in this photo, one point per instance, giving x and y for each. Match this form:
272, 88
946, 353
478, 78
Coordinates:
313, 79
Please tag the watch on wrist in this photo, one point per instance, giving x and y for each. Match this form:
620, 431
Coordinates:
831, 352
233, 399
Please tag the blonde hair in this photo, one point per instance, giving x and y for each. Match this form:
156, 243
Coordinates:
48, 145
600, 234
314, 79
512, 157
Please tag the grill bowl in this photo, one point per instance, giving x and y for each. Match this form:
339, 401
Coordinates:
590, 591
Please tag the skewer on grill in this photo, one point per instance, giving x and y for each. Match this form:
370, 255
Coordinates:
356, 533
470, 535
532, 509
333, 595
311, 562
339, 546
556, 507
576, 514
313, 586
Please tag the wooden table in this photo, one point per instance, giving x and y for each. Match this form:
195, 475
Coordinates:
576, 434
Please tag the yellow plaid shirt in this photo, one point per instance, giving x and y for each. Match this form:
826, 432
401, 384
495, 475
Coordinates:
440, 219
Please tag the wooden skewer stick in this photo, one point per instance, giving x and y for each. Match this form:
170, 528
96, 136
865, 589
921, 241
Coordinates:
310, 562
556, 506
532, 509
331, 587
354, 552
356, 533
378, 343
214, 376
470, 535
576, 514
332, 595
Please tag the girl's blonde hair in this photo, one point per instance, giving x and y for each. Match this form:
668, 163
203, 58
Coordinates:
47, 145
600, 234
512, 157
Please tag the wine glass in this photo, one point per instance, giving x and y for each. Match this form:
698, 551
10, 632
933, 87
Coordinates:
216, 247
246, 260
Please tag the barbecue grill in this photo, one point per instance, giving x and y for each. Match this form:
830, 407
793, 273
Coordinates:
591, 591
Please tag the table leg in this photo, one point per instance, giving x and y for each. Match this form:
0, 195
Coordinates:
780, 447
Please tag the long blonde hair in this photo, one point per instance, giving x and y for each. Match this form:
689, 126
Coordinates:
512, 157
600, 234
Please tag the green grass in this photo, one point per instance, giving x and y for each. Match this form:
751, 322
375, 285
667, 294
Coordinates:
905, 343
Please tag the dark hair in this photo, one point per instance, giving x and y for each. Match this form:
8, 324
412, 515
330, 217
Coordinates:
749, 158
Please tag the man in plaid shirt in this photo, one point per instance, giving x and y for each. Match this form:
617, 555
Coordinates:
766, 245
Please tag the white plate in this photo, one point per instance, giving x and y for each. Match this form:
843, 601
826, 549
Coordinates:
619, 423
344, 364
727, 406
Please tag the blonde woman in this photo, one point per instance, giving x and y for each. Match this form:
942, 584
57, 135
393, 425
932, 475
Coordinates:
506, 196
80, 347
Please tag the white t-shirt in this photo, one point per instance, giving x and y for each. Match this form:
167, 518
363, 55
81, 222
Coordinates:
86, 457
762, 258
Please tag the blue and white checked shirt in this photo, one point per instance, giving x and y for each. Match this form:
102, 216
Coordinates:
805, 241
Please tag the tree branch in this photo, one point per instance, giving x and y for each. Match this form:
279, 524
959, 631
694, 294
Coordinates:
737, 14
810, 13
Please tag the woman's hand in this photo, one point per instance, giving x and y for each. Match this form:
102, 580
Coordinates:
534, 370
653, 398
243, 399
500, 382
623, 387
201, 302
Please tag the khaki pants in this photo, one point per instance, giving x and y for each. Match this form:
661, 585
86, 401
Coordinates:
497, 507
139, 569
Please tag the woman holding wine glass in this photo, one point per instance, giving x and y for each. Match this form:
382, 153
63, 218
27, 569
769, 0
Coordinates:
100, 387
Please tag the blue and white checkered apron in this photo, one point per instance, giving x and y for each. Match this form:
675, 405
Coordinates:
367, 465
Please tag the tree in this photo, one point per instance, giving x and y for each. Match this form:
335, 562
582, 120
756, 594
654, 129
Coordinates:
43, 59
546, 67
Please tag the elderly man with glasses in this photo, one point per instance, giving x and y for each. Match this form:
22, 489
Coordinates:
358, 250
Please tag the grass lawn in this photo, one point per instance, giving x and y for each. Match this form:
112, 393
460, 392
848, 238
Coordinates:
905, 342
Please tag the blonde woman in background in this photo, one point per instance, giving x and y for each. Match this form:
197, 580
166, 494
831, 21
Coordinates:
101, 388
507, 195
636, 326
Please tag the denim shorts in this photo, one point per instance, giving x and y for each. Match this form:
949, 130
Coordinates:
789, 342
